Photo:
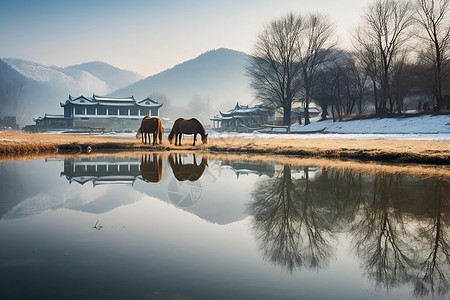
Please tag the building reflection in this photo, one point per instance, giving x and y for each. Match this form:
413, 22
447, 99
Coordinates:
125, 170
399, 225
113, 170
244, 167
102, 170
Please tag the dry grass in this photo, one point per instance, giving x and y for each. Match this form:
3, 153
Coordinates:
423, 152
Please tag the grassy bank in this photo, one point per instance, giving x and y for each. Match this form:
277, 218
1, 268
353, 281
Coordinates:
13, 144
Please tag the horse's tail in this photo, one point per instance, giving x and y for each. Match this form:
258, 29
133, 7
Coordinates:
160, 130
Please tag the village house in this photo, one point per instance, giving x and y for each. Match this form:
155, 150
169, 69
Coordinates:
243, 118
108, 113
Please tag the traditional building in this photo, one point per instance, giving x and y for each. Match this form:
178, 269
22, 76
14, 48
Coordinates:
243, 118
110, 113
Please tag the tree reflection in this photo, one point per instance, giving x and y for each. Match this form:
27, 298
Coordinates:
399, 225
380, 235
291, 229
434, 269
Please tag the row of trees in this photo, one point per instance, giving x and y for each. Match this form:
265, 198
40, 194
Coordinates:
399, 46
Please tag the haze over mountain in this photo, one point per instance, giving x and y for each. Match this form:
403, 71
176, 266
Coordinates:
31, 89
199, 87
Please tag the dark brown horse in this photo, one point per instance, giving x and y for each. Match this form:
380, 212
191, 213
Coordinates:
150, 125
151, 167
184, 172
187, 126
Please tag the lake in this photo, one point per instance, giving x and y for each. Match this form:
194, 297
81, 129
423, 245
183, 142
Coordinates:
185, 226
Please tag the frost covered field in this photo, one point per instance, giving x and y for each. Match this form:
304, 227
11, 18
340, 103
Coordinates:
427, 127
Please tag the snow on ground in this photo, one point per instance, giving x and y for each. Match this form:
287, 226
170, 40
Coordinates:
413, 128
426, 128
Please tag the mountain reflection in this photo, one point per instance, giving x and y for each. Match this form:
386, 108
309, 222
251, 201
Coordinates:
399, 224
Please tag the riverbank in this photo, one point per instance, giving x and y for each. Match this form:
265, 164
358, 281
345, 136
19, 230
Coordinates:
13, 144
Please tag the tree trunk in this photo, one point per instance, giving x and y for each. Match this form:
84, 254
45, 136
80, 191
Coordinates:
287, 109
324, 111
307, 121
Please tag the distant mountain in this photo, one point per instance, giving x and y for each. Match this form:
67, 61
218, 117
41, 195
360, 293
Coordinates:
94, 77
199, 87
114, 77
15, 93
37, 89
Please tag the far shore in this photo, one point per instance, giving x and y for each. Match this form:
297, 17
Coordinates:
16, 144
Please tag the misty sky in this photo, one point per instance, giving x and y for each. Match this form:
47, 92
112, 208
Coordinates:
148, 36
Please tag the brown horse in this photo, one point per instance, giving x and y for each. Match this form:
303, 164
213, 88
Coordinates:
151, 168
187, 126
184, 172
150, 125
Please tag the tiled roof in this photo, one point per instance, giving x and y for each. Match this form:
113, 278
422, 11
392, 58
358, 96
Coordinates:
111, 101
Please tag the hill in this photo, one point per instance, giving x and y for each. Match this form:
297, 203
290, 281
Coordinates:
29, 89
16, 92
114, 77
200, 87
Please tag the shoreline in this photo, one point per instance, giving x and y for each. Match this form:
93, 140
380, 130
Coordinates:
16, 144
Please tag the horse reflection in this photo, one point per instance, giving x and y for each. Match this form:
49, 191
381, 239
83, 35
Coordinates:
183, 171
151, 167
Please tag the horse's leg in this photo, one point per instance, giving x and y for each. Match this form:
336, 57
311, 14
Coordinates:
154, 138
179, 143
195, 137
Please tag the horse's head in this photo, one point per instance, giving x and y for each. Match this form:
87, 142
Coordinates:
205, 139
171, 137
138, 133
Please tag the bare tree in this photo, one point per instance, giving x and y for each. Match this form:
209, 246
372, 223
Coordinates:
433, 18
313, 47
274, 69
381, 38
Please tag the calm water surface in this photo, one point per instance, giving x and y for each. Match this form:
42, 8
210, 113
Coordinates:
185, 227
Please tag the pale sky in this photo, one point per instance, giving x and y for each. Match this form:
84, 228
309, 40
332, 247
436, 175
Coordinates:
148, 36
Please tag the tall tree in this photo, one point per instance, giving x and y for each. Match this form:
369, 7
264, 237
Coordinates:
274, 69
382, 37
313, 47
432, 16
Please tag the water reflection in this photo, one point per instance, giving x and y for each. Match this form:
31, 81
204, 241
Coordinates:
400, 225
125, 170
102, 170
151, 167
183, 170
293, 227
397, 226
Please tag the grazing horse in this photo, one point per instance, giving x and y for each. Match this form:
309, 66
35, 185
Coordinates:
151, 167
187, 126
150, 125
184, 172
